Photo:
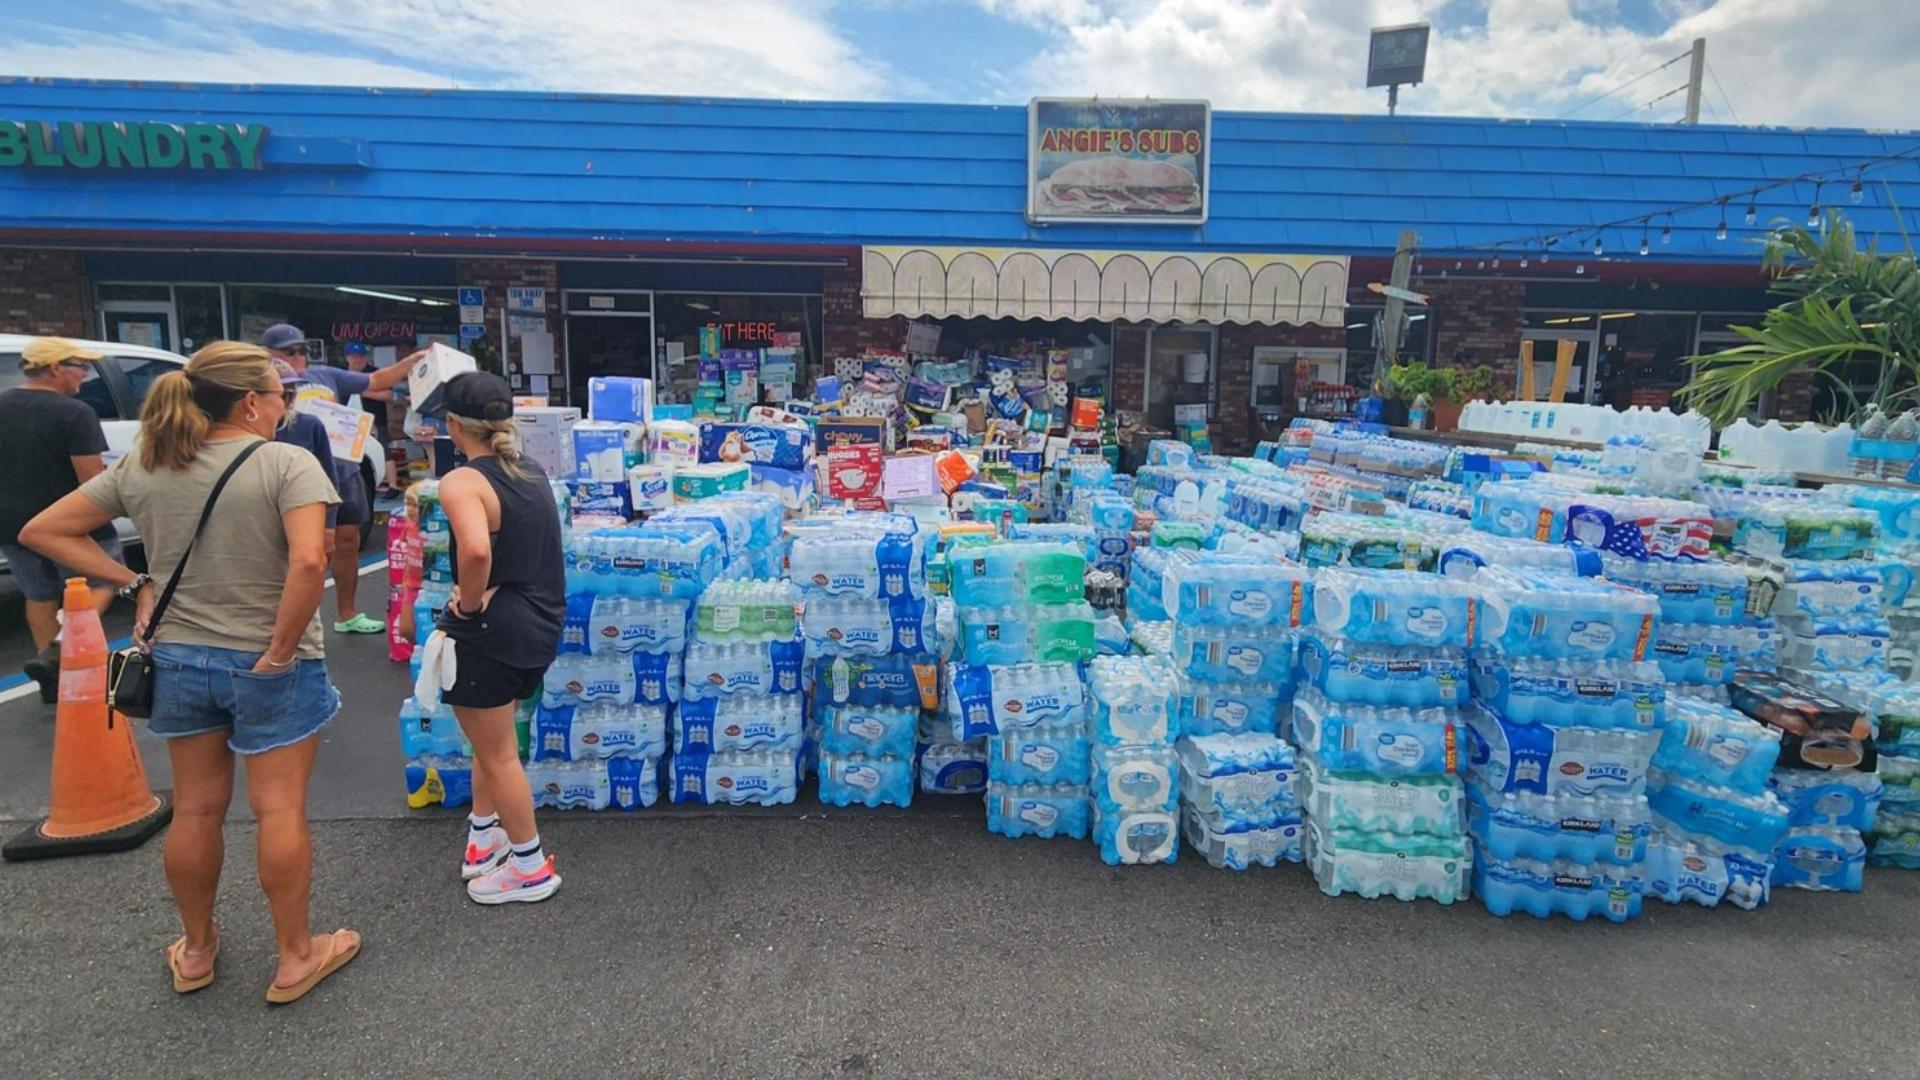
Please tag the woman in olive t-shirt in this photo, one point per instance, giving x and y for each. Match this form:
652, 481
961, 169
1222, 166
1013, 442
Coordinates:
237, 662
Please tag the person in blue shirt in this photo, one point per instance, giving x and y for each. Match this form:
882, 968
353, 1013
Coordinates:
301, 429
289, 343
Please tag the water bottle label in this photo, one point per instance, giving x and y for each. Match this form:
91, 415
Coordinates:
1039, 814
864, 777
1250, 604
1593, 636
1401, 749
726, 618
869, 729
1244, 659
1427, 622
1231, 713
1038, 757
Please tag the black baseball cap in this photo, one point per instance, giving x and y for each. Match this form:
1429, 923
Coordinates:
478, 395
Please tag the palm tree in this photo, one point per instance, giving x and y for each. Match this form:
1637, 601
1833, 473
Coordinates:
1845, 306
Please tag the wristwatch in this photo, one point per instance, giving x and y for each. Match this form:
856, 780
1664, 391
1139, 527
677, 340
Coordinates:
132, 588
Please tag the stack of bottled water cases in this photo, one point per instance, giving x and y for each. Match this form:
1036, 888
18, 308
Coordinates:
1023, 632
1708, 629
1716, 823
1112, 520
1233, 642
600, 733
1567, 714
1840, 819
1133, 771
1382, 676
864, 580
439, 765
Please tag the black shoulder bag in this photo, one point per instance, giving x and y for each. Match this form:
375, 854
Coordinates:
130, 671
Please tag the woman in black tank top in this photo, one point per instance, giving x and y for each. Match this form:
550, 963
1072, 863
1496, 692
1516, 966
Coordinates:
503, 621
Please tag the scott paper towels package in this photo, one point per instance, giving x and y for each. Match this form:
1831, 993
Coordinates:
650, 487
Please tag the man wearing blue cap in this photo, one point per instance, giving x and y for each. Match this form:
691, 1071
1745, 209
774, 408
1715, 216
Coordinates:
289, 343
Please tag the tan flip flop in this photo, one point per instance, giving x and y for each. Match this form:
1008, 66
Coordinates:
336, 958
182, 984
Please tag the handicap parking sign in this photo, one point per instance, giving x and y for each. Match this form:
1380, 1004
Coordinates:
471, 296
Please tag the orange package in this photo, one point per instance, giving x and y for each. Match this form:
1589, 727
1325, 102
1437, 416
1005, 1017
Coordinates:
954, 468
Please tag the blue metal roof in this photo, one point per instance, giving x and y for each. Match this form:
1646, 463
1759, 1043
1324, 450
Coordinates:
582, 167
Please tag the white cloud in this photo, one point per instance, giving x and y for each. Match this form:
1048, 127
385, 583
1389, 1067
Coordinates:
1830, 63
747, 48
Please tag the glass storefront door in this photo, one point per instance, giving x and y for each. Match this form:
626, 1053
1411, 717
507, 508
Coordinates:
1180, 371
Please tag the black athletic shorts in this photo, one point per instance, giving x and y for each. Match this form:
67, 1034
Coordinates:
481, 683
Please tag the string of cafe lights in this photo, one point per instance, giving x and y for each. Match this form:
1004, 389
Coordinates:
1543, 247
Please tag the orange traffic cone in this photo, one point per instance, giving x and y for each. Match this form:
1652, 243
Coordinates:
101, 801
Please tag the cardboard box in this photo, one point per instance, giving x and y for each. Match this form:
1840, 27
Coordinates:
347, 427
546, 437
854, 472
620, 399
851, 431
428, 379
911, 477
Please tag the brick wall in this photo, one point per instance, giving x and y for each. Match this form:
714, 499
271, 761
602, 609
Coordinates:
1129, 389
1793, 400
495, 276
1480, 319
46, 292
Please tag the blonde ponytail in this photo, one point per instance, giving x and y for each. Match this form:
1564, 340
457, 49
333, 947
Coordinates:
502, 438
182, 405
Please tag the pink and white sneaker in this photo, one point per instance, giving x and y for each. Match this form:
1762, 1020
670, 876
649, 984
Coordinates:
505, 884
480, 859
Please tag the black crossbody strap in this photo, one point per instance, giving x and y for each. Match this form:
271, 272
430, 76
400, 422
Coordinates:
173, 580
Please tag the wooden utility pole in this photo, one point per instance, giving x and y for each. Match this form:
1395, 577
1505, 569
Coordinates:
1391, 319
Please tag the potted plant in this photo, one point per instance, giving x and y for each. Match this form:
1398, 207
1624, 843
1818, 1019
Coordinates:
1455, 387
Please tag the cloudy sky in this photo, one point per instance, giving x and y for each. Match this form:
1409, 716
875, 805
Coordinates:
1824, 62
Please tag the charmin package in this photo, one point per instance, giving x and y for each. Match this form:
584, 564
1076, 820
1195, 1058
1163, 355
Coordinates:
784, 446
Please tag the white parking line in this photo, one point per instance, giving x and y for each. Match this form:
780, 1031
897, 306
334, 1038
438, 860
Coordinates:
32, 689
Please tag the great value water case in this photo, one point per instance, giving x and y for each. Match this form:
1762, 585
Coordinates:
1406, 867
1406, 677
983, 699
1831, 590
577, 732
1234, 653
1753, 822
1528, 510
1136, 837
859, 779
1526, 613
859, 730
1016, 810
1132, 699
1702, 872
1046, 754
1716, 746
1840, 799
1559, 887
1216, 589
1393, 806
1393, 607
1584, 829
740, 722
764, 778
1836, 646
1368, 739
1567, 693
1504, 756
1820, 858
1210, 708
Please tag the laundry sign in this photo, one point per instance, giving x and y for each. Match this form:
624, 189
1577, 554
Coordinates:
130, 144
1092, 159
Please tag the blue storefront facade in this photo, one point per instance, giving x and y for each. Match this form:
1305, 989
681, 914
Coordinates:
602, 234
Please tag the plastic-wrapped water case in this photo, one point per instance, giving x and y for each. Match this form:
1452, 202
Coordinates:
1681, 869
1209, 708
1016, 810
1569, 693
1403, 867
1369, 739
1267, 844
1530, 613
1714, 745
1216, 589
1505, 756
1820, 858
1752, 822
1707, 593
1560, 887
1393, 607
1391, 805
1585, 829
1407, 677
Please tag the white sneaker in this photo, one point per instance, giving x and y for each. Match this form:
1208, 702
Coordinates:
505, 884
481, 859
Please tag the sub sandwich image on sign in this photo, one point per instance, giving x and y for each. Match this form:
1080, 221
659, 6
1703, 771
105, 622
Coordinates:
1141, 161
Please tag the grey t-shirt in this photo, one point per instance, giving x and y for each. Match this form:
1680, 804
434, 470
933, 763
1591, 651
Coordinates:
230, 594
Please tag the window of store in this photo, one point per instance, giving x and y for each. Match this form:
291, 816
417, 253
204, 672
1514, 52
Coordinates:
390, 320
609, 332
1364, 340
1619, 358
743, 321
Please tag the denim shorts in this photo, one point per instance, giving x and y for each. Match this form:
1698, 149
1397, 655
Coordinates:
42, 580
199, 688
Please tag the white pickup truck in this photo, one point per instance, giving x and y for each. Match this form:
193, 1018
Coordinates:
116, 389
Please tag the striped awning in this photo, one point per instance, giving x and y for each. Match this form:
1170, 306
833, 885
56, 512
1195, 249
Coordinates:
1144, 286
